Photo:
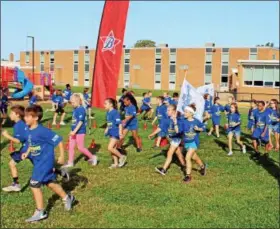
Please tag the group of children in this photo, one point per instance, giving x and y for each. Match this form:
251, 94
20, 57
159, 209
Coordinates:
182, 130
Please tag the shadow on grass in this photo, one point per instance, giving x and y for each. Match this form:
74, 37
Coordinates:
92, 150
3, 145
75, 181
130, 142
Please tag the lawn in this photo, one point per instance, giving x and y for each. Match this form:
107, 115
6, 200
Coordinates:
237, 192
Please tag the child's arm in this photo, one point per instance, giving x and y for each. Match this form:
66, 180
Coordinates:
60, 159
127, 118
120, 130
154, 133
155, 119
25, 155
9, 137
73, 132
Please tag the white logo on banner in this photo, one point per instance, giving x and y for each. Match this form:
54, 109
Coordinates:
110, 42
188, 96
206, 89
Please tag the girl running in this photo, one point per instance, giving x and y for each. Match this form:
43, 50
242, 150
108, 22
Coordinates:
87, 102
207, 107
234, 122
173, 127
274, 127
191, 129
251, 114
227, 108
130, 123
146, 106
59, 108
114, 131
78, 131
216, 111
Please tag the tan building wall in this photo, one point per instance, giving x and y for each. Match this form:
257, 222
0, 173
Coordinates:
144, 77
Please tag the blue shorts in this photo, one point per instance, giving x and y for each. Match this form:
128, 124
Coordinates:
216, 121
145, 108
162, 134
190, 145
275, 128
16, 156
234, 132
175, 141
257, 135
131, 127
250, 124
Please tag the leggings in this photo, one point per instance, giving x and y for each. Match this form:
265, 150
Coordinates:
78, 139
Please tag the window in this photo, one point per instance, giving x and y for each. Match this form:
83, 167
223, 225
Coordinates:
172, 68
27, 57
126, 61
253, 50
76, 52
158, 61
86, 51
86, 67
253, 53
225, 69
127, 51
51, 60
225, 58
158, 68
276, 76
208, 78
158, 77
209, 50
126, 68
208, 58
172, 58
248, 75
86, 58
268, 84
52, 67
52, 56
273, 57
258, 73
225, 50
87, 76
224, 79
172, 78
42, 67
126, 77
173, 50
258, 83
76, 58
158, 51
208, 69
76, 67
42, 59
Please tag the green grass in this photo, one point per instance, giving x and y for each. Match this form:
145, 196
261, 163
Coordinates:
236, 193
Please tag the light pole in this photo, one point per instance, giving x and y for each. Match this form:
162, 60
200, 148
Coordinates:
33, 55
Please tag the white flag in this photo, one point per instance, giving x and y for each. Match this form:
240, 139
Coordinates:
190, 95
206, 89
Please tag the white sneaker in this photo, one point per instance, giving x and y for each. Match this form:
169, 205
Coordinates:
230, 153
12, 188
62, 123
122, 161
243, 149
54, 123
91, 117
68, 165
93, 161
113, 166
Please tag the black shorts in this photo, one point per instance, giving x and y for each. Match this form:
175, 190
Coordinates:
60, 110
4, 109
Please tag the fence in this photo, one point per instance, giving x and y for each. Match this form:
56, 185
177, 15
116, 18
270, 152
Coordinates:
247, 97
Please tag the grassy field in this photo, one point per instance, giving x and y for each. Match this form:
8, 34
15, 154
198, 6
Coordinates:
236, 193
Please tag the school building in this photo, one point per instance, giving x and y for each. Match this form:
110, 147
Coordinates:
252, 70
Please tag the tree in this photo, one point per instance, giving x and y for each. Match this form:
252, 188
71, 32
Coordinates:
268, 44
144, 43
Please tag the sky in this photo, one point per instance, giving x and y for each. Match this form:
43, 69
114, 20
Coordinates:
60, 25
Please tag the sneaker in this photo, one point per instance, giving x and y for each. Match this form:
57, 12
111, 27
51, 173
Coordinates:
12, 188
139, 150
54, 123
209, 134
162, 171
113, 166
62, 123
65, 174
93, 161
230, 153
122, 161
91, 117
202, 171
187, 179
68, 203
68, 165
243, 149
38, 215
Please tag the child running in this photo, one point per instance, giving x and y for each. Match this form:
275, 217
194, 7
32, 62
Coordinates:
191, 129
251, 115
161, 114
173, 126
67, 94
19, 137
59, 108
216, 111
124, 92
41, 144
261, 131
87, 102
78, 132
4, 106
130, 123
167, 98
227, 108
175, 99
207, 108
274, 127
234, 122
146, 106
114, 131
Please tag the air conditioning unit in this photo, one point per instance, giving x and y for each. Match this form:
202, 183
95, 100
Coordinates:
163, 45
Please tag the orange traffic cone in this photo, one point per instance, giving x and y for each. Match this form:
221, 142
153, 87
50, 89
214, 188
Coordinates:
145, 126
58, 126
94, 126
49, 125
154, 127
11, 147
67, 145
164, 142
92, 144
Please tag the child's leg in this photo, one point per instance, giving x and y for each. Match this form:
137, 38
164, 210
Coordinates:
180, 156
255, 145
189, 161
136, 138
112, 148
197, 159
239, 142
54, 117
158, 141
57, 189
169, 157
211, 130
62, 117
151, 114
217, 128
125, 131
230, 135
277, 140
115, 159
80, 138
14, 172
72, 144
38, 197
270, 137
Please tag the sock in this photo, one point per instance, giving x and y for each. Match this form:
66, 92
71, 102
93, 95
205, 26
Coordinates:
15, 180
65, 198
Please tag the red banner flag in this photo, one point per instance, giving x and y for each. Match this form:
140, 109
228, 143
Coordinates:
108, 52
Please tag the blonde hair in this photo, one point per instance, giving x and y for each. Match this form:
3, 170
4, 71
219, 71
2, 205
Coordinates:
80, 97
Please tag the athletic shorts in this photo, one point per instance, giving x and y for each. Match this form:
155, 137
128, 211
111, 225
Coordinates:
190, 145
16, 156
131, 127
216, 121
65, 100
175, 142
250, 125
236, 133
275, 128
60, 110
257, 135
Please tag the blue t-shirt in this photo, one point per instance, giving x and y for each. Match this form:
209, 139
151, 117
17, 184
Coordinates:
53, 97
167, 126
251, 114
67, 94
146, 103
174, 102
131, 111
191, 135
79, 114
216, 110
167, 100
208, 105
42, 142
21, 133
274, 116
161, 112
113, 121
4, 101
33, 100
59, 100
261, 119
234, 118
